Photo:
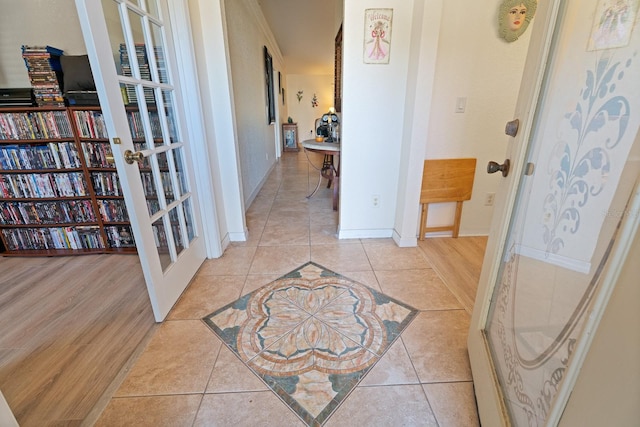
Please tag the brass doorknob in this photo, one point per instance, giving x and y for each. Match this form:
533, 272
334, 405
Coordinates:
130, 156
494, 167
110, 159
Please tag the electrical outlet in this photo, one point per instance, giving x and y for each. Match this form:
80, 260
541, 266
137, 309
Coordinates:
489, 199
375, 200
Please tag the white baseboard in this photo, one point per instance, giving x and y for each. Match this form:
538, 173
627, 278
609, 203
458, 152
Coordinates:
238, 236
554, 259
365, 234
407, 242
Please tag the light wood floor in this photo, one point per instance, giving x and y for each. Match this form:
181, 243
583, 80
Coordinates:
68, 325
458, 262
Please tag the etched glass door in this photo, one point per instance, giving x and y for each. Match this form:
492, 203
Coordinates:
583, 164
131, 51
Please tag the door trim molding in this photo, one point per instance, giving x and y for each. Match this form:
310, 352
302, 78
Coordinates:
194, 116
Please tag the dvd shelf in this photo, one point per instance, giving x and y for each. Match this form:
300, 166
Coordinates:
34, 125
94, 142
49, 212
58, 193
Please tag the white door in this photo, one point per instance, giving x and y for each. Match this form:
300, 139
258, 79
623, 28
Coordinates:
563, 213
131, 52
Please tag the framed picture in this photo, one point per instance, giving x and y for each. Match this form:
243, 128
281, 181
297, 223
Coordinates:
377, 35
612, 24
337, 72
290, 136
268, 75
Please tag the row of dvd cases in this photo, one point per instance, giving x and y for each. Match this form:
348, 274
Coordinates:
58, 193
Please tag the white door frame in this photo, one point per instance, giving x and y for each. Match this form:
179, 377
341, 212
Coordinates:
209, 37
190, 88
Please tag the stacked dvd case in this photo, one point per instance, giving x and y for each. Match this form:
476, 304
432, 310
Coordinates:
45, 74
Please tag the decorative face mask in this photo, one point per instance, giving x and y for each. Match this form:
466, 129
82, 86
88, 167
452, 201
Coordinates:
514, 17
517, 15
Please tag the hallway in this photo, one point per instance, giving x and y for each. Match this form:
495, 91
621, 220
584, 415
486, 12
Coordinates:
186, 376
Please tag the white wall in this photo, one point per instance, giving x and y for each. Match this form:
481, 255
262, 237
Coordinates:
471, 62
302, 112
29, 23
373, 108
474, 63
247, 33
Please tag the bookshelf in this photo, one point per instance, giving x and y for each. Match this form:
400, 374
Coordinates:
91, 133
58, 193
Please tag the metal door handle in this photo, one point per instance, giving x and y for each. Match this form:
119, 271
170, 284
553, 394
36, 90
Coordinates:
494, 167
130, 156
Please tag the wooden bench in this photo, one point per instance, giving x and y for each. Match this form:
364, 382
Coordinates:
444, 181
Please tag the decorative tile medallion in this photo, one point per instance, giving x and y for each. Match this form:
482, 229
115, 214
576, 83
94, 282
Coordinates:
311, 335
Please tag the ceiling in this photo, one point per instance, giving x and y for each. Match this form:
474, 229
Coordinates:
305, 31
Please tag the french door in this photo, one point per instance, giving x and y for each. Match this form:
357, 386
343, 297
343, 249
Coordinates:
131, 50
565, 211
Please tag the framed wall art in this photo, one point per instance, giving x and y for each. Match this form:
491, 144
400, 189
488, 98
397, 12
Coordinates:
377, 35
337, 72
268, 75
613, 23
290, 136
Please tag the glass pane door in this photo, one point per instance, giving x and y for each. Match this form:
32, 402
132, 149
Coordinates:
585, 162
145, 82
131, 51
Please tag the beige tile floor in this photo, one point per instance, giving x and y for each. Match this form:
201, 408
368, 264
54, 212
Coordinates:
187, 377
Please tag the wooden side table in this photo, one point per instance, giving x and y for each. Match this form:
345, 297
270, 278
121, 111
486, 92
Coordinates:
290, 136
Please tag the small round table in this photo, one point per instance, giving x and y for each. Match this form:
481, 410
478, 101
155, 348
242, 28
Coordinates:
328, 170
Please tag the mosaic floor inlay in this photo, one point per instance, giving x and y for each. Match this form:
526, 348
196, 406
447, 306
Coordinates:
311, 335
